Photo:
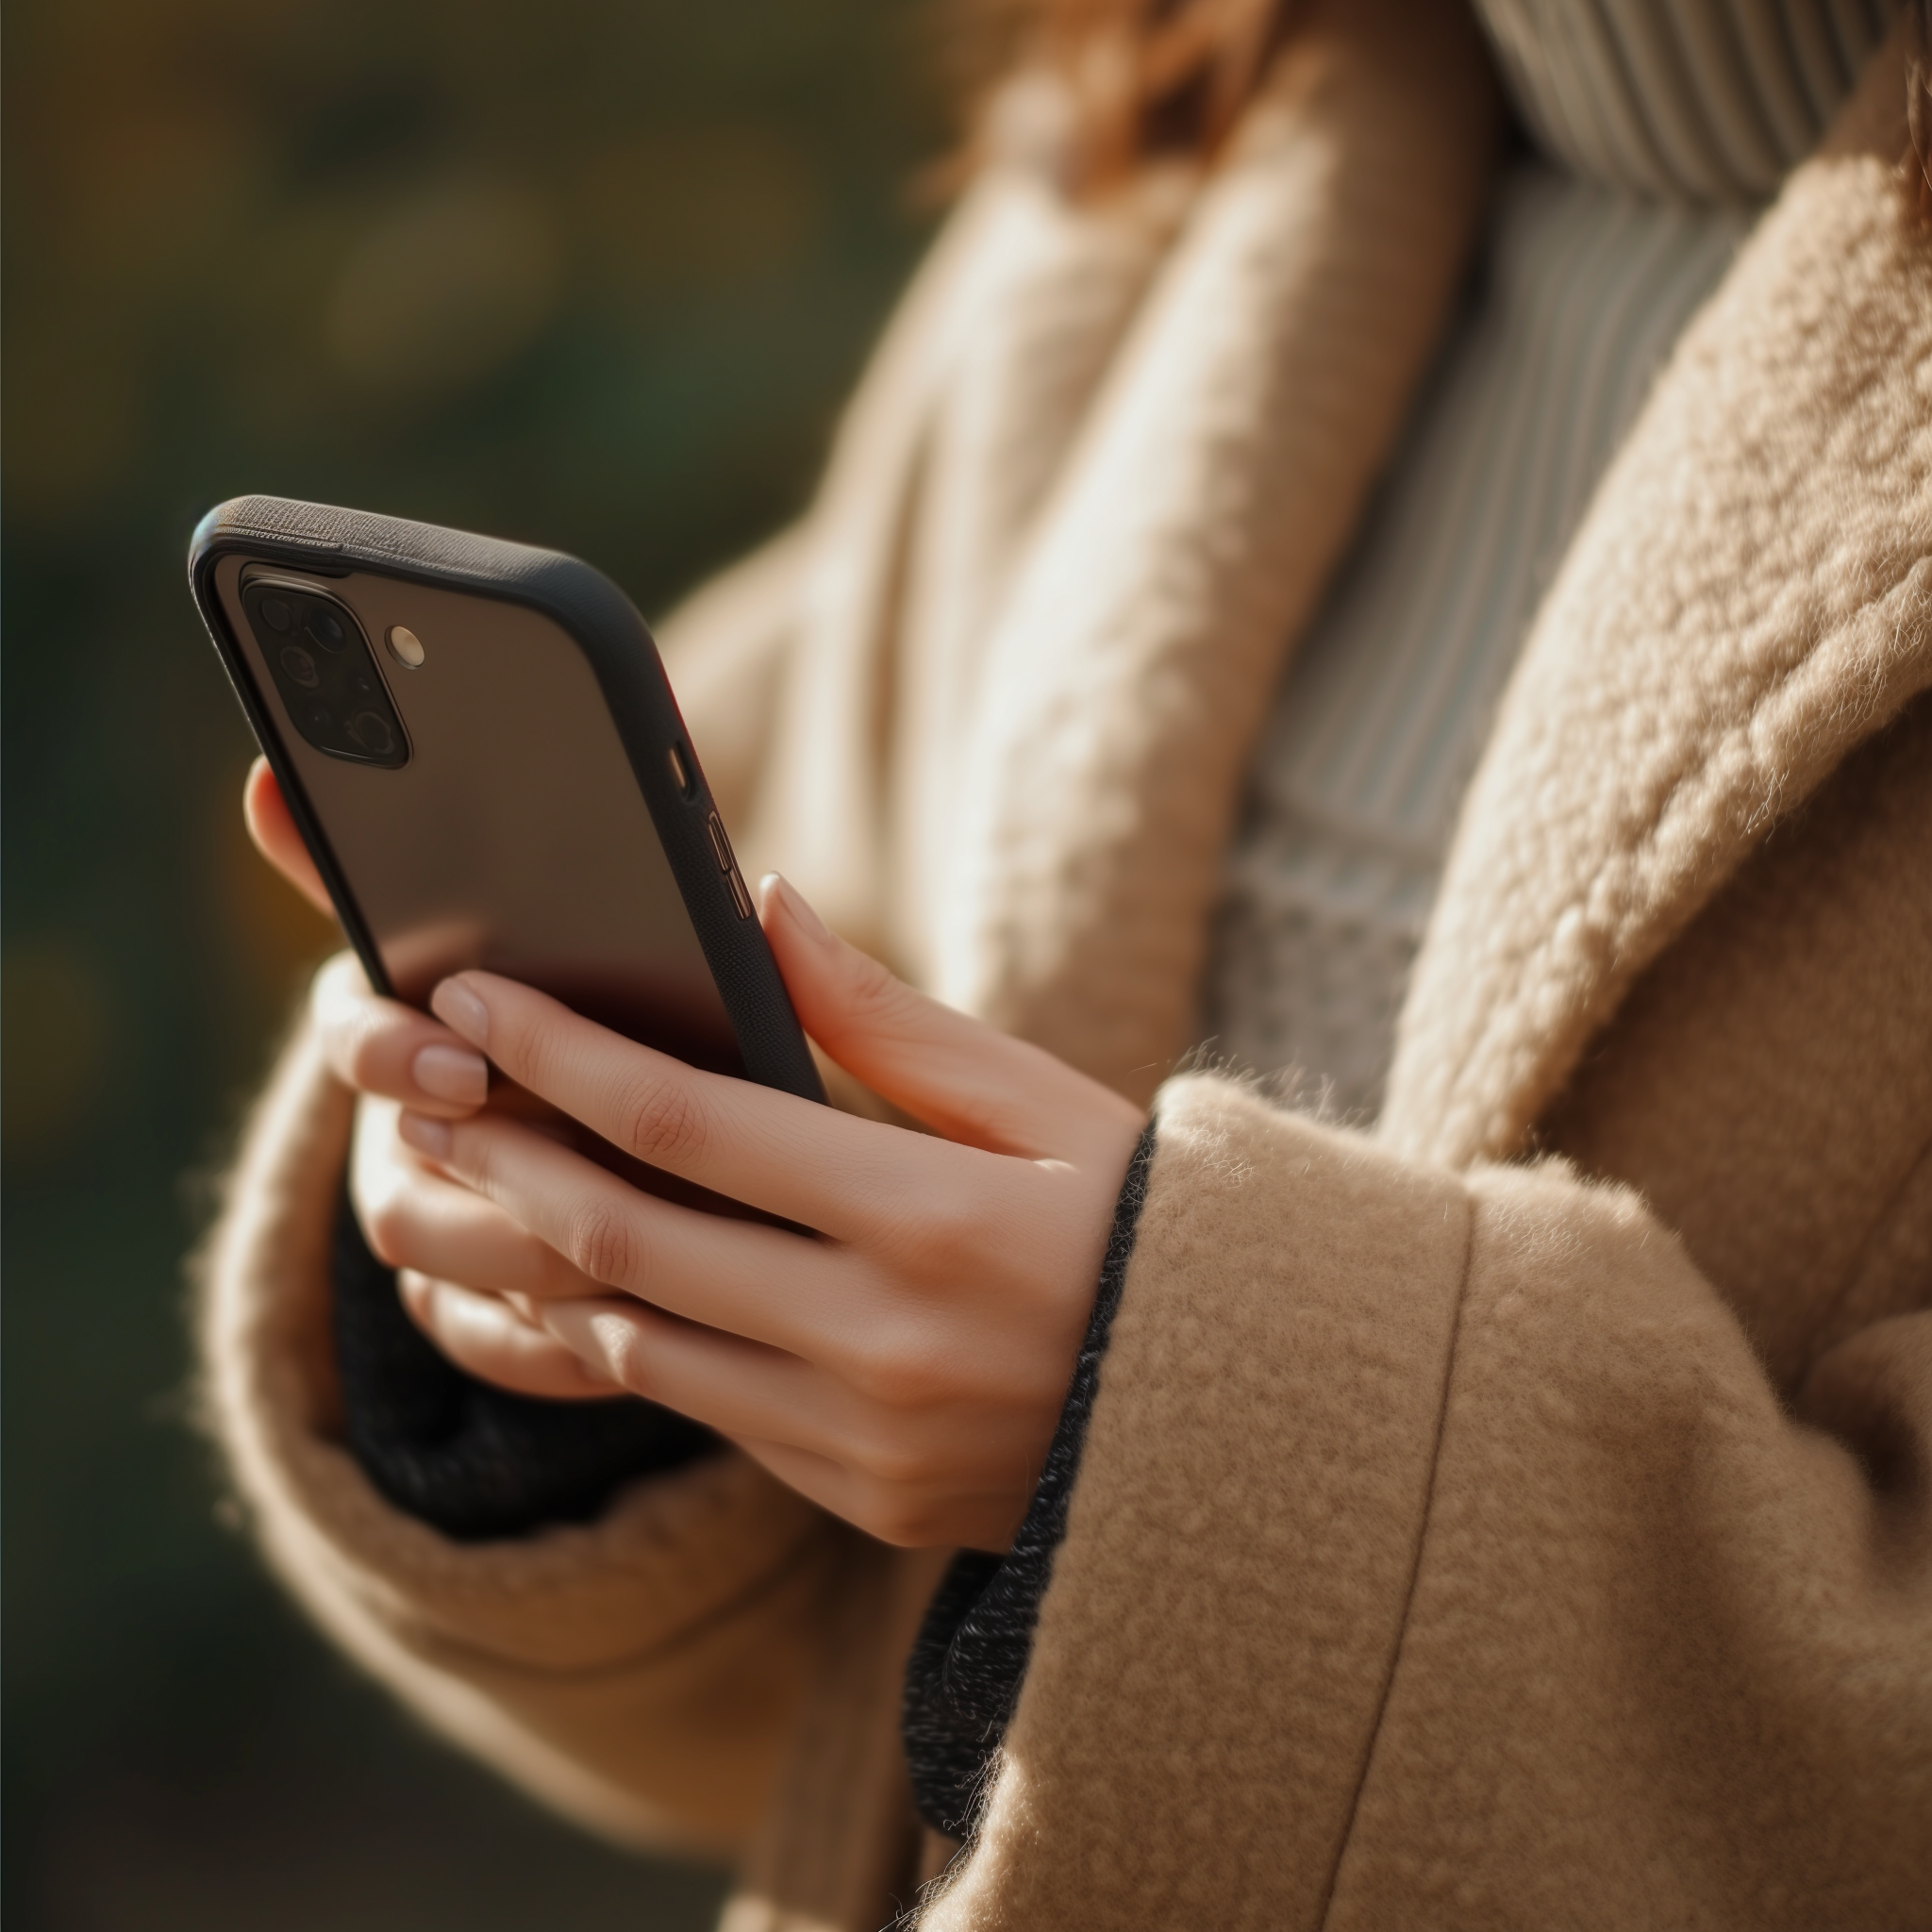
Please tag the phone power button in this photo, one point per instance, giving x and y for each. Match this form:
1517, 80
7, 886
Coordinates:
721, 851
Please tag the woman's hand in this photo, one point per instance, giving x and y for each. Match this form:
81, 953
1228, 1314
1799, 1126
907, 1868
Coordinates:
901, 1359
903, 1356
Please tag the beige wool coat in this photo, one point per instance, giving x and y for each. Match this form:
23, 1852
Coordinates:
1520, 1514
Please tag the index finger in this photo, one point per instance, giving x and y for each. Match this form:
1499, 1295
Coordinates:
796, 1158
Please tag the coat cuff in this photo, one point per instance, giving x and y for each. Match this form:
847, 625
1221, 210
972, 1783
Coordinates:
967, 1665
577, 1659
1248, 1517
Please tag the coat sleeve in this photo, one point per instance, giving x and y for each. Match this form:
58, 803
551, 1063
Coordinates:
1441, 1539
642, 1672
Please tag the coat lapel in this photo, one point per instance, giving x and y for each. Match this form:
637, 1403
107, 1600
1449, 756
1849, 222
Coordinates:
1184, 545
1749, 598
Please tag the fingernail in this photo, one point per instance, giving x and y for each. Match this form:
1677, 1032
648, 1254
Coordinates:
427, 1136
803, 916
452, 1073
462, 1010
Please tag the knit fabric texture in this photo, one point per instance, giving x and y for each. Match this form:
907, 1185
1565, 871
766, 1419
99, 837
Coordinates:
1661, 126
472, 1460
1579, 295
1708, 101
963, 1678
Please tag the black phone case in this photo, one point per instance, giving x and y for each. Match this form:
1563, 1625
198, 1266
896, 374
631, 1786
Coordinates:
601, 620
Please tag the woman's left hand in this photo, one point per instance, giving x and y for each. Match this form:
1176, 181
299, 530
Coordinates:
903, 1361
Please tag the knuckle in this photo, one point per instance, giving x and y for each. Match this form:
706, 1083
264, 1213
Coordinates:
602, 1244
943, 1238
895, 1516
896, 1370
893, 1464
663, 1120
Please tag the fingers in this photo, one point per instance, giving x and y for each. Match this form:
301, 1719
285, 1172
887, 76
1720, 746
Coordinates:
774, 1287
791, 1158
265, 812
423, 1221
800, 1422
961, 1077
488, 1339
384, 1048
417, 1220
737, 1387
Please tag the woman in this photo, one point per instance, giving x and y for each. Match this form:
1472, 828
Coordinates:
1493, 1493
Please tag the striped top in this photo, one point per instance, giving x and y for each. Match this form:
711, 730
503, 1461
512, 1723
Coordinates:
1706, 100
1660, 120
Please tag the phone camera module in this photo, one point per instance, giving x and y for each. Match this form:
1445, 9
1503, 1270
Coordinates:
300, 666
333, 693
371, 730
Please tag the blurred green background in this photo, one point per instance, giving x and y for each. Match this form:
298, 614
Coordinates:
592, 274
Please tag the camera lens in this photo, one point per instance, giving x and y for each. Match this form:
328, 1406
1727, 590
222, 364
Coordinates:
372, 731
277, 614
325, 627
299, 667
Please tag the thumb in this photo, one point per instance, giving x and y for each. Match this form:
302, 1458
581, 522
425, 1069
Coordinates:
957, 1074
273, 827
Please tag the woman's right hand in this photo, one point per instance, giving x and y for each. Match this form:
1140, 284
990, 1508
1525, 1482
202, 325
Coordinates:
468, 1275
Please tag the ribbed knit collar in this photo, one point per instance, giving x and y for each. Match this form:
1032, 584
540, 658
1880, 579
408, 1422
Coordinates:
1699, 101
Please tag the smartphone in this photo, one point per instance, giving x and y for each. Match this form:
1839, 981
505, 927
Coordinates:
482, 751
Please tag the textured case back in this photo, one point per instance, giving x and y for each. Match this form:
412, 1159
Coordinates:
532, 817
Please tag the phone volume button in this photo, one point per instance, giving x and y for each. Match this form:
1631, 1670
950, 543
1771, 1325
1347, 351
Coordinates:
740, 897
721, 845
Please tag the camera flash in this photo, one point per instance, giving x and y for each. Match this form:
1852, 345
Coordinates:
405, 646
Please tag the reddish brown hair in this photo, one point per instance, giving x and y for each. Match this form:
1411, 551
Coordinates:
1145, 76
1154, 76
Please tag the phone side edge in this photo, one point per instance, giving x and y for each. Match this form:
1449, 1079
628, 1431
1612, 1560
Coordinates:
624, 656
203, 559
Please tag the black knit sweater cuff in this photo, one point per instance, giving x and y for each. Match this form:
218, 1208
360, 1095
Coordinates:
967, 1665
472, 1460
